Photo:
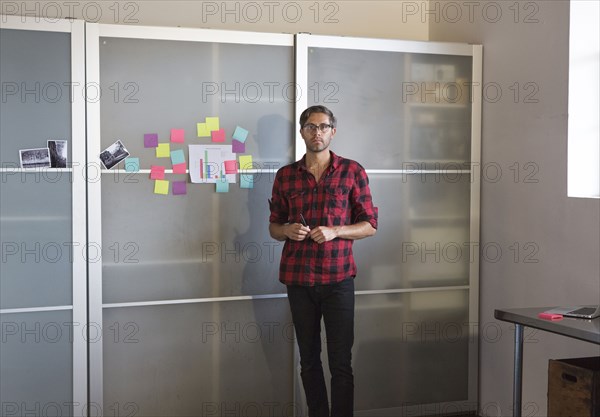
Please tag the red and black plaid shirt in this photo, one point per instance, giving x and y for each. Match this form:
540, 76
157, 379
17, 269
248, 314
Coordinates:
341, 197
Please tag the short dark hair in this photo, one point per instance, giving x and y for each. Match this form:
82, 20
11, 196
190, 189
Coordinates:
317, 109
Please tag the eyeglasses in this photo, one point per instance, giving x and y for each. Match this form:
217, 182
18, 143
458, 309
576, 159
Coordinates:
323, 127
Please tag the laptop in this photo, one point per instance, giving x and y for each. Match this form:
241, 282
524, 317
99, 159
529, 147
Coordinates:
580, 312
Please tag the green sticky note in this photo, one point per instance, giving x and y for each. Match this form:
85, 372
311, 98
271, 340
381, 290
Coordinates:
132, 164
203, 131
212, 123
163, 150
161, 187
222, 185
245, 161
177, 157
246, 181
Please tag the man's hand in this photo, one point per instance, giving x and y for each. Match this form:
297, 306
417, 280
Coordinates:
296, 231
322, 234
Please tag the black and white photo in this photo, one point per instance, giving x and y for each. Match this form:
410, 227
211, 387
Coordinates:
114, 154
35, 158
58, 153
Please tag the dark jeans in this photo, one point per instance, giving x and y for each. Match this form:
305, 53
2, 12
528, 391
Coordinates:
335, 303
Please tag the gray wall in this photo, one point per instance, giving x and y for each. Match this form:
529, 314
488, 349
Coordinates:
550, 243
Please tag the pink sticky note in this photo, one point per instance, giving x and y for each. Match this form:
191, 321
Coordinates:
150, 140
157, 172
237, 146
218, 135
180, 168
178, 135
179, 188
231, 167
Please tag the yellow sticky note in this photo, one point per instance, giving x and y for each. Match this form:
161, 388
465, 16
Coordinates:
161, 187
163, 150
245, 161
212, 123
203, 131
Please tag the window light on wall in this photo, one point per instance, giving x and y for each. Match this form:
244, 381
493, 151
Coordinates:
584, 73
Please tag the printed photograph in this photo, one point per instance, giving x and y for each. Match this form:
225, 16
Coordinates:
35, 158
58, 153
114, 154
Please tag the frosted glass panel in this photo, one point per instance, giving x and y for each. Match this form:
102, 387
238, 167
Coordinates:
395, 110
415, 345
36, 102
193, 360
423, 232
35, 206
178, 84
37, 245
37, 365
202, 244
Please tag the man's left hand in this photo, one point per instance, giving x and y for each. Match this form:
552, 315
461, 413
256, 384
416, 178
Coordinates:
322, 234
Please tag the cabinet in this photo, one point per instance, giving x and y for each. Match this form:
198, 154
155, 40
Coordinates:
409, 113
43, 291
182, 292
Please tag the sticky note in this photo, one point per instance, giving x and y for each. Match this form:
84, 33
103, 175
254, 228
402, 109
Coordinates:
240, 134
237, 146
212, 123
178, 135
157, 172
161, 187
180, 168
132, 164
179, 188
222, 186
163, 150
246, 181
177, 157
245, 161
218, 135
150, 140
203, 131
230, 167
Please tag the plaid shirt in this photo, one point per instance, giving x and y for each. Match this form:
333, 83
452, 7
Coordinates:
341, 197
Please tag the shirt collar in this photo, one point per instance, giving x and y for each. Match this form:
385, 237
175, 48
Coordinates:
335, 162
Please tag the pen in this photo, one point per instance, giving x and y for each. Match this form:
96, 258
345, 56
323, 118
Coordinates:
303, 220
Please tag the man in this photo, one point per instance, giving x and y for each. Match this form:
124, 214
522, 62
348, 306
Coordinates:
319, 206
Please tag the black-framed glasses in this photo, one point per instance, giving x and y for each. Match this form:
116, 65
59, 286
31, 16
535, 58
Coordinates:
312, 128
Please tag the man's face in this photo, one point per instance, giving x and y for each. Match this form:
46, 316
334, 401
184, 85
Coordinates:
315, 139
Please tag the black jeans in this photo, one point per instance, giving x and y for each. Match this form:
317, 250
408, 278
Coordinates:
335, 303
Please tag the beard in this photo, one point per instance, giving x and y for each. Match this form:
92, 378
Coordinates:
317, 146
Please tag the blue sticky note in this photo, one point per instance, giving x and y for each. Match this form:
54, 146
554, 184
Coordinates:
177, 157
240, 134
132, 164
246, 181
222, 185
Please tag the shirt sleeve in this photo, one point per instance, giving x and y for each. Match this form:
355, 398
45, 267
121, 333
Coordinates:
362, 201
278, 203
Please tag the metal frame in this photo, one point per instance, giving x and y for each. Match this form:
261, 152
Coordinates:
78, 193
306, 41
